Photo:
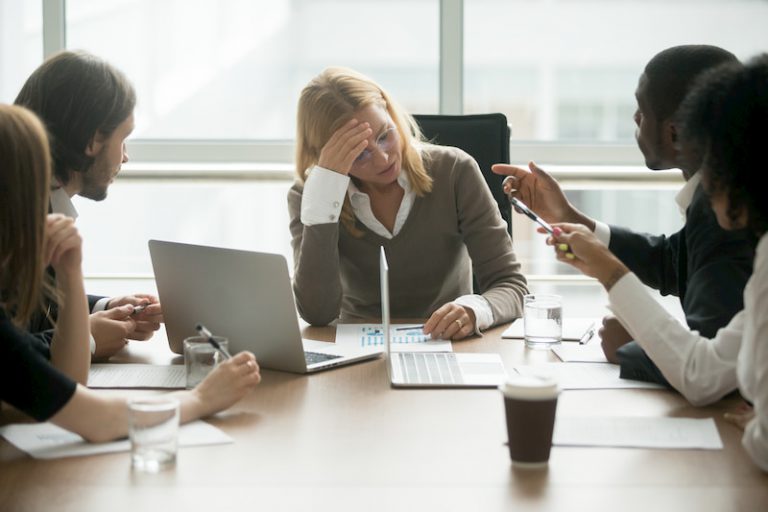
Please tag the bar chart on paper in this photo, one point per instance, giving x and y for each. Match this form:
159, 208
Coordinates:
404, 338
372, 335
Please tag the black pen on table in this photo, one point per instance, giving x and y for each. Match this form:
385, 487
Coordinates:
207, 334
588, 335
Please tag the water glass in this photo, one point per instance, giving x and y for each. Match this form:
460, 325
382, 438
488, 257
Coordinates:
543, 320
200, 357
153, 428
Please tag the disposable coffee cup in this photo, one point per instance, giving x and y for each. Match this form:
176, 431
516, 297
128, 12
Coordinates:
530, 403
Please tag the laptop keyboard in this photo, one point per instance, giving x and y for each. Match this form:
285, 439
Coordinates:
430, 367
318, 357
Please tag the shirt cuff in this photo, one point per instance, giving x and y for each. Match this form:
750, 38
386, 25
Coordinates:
93, 344
481, 307
603, 232
323, 196
101, 304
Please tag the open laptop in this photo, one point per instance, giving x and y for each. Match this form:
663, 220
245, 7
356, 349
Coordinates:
435, 369
242, 295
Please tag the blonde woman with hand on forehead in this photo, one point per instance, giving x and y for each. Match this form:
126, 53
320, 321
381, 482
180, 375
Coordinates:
367, 179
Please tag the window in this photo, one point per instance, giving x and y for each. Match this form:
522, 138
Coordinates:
218, 82
21, 44
233, 69
566, 70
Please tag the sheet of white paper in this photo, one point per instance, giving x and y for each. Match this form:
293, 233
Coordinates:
577, 353
638, 432
371, 337
137, 376
47, 441
585, 376
573, 328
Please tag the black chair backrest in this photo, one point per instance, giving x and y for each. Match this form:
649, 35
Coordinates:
485, 137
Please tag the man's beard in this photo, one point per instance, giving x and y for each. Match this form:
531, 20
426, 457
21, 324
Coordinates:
93, 190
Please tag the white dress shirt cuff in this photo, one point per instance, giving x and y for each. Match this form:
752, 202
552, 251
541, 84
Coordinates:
482, 309
323, 196
603, 232
101, 304
93, 344
633, 304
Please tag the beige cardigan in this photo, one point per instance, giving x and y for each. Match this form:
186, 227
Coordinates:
451, 230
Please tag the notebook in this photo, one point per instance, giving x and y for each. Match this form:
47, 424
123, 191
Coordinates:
244, 296
434, 369
574, 329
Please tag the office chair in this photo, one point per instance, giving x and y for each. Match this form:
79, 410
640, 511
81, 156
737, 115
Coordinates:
485, 137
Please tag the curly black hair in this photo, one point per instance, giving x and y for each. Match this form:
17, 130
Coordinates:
725, 118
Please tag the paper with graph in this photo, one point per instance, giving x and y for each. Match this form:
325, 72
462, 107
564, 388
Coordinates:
404, 338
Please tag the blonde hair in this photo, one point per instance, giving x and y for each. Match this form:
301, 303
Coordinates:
330, 100
24, 189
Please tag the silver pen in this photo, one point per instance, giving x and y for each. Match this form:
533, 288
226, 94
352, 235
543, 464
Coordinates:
529, 213
138, 309
588, 335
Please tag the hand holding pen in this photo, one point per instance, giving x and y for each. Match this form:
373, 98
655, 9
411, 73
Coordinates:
577, 246
522, 208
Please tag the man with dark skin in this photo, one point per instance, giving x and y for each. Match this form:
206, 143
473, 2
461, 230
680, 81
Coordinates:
704, 265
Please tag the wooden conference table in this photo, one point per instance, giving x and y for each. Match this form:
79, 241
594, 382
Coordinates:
344, 440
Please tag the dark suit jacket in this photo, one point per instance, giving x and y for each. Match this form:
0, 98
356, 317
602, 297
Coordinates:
703, 264
41, 325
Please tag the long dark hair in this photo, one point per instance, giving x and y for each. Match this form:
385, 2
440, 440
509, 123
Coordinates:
76, 95
24, 186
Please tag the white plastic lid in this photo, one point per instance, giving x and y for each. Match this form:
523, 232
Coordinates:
530, 387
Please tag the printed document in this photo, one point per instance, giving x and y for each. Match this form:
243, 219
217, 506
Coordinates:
170, 376
47, 441
404, 338
638, 432
585, 376
578, 353
573, 328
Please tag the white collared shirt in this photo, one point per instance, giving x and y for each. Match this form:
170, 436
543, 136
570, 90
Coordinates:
323, 198
62, 203
706, 369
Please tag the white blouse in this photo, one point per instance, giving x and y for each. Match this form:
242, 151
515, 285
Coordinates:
703, 369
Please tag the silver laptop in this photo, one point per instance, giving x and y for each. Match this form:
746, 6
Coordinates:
435, 369
242, 295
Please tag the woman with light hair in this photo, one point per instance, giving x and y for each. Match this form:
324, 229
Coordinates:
30, 240
366, 179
